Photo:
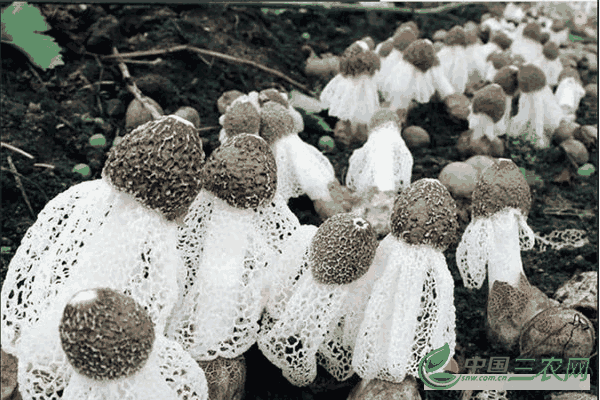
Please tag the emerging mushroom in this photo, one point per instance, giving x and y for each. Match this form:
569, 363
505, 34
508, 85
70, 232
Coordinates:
488, 108
127, 218
495, 62
550, 63
352, 94
384, 161
569, 92
539, 113
390, 53
417, 76
341, 252
528, 43
507, 78
410, 311
559, 32
499, 42
233, 228
453, 58
101, 343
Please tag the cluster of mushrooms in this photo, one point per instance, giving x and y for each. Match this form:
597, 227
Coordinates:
126, 285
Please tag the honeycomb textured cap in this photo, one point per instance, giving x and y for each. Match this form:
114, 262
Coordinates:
342, 249
531, 78
355, 62
421, 54
425, 213
507, 78
490, 101
502, 40
241, 118
569, 72
108, 337
550, 51
226, 99
456, 37
242, 172
558, 25
159, 164
386, 48
501, 186
533, 31
382, 116
275, 122
272, 95
403, 38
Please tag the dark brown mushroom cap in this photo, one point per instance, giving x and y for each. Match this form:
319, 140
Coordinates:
382, 116
159, 164
421, 54
272, 95
386, 48
242, 172
106, 335
359, 62
471, 37
275, 122
411, 25
425, 213
550, 51
369, 41
544, 37
499, 59
241, 117
569, 72
531, 78
502, 40
533, 31
402, 39
507, 78
456, 37
501, 186
342, 250
558, 25
490, 101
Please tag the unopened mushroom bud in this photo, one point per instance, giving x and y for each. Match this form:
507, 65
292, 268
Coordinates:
575, 151
138, 114
502, 40
459, 178
488, 107
439, 35
226, 99
189, 114
415, 137
105, 334
421, 54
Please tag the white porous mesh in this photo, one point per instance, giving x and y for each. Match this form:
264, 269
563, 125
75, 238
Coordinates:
387, 64
481, 125
350, 98
441, 84
410, 313
170, 373
48, 252
226, 255
294, 340
491, 395
568, 94
558, 240
527, 48
472, 252
383, 162
333, 355
455, 65
407, 83
302, 169
552, 69
503, 125
485, 50
538, 117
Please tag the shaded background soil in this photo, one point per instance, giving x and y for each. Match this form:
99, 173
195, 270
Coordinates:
52, 114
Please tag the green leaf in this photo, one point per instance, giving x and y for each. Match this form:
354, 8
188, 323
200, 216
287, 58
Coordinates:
321, 122
442, 377
574, 38
437, 358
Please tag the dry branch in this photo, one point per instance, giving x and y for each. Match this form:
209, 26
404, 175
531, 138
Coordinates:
16, 174
16, 150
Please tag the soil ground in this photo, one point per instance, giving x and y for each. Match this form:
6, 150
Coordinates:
52, 114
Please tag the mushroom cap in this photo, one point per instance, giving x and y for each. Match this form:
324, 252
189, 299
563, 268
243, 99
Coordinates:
381, 117
471, 36
558, 25
507, 78
411, 25
105, 334
275, 122
189, 114
531, 78
502, 40
403, 38
569, 72
386, 47
533, 31
439, 35
159, 164
369, 41
342, 249
241, 117
425, 213
456, 37
544, 37
490, 101
421, 54
242, 172
499, 59
226, 99
550, 51
356, 61
272, 95
500, 186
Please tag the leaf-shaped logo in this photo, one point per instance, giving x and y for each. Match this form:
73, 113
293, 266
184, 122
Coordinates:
433, 361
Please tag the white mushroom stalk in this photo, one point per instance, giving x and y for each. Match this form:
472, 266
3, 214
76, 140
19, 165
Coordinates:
126, 221
498, 42
507, 79
417, 76
352, 94
550, 63
477, 65
539, 113
559, 32
513, 13
340, 253
569, 92
230, 234
488, 108
301, 168
384, 161
390, 53
101, 343
495, 62
410, 311
528, 44
453, 58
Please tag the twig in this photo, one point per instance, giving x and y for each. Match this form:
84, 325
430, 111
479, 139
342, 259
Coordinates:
99, 83
215, 54
39, 78
28, 180
355, 7
16, 150
209, 128
13, 169
153, 62
44, 165
98, 100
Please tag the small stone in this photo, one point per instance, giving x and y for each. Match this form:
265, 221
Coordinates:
415, 137
565, 131
9, 375
588, 135
189, 114
457, 105
480, 162
137, 114
225, 377
378, 389
591, 90
459, 178
468, 147
576, 151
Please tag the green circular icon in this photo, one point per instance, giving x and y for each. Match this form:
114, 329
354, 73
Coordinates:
97, 140
306, 35
83, 170
586, 170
